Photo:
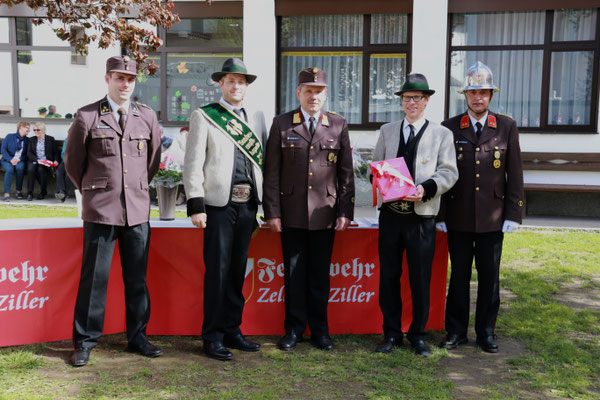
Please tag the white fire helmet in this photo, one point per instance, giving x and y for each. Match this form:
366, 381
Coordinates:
479, 76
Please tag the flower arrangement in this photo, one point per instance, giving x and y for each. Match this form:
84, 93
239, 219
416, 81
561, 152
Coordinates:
170, 173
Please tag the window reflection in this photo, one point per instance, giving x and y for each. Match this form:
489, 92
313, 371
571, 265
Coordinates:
206, 32
387, 73
6, 86
189, 84
50, 78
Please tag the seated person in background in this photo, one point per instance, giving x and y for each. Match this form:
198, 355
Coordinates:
63, 183
42, 111
42, 155
14, 157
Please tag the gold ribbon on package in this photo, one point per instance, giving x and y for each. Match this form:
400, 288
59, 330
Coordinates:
237, 130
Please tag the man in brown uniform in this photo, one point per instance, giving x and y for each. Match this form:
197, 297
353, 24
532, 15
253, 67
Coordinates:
485, 203
308, 192
112, 153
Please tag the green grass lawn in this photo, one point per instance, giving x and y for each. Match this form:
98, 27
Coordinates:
560, 339
27, 211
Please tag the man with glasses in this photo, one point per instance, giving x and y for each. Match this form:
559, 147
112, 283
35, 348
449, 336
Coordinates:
486, 202
408, 225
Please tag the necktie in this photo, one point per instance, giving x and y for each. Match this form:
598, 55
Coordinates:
412, 134
241, 113
311, 127
122, 119
478, 131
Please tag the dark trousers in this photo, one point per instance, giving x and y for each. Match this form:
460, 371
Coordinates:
226, 240
63, 183
18, 170
98, 246
416, 236
307, 260
37, 172
487, 250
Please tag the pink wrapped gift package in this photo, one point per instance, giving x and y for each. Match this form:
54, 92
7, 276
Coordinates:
393, 180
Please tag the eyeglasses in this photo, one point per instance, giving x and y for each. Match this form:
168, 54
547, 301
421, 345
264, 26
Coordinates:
416, 99
38, 130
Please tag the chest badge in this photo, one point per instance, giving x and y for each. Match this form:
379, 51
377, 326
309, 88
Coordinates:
141, 145
497, 154
497, 163
460, 157
331, 158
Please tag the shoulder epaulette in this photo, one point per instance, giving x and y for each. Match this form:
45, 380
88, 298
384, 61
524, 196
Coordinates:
144, 105
505, 115
334, 113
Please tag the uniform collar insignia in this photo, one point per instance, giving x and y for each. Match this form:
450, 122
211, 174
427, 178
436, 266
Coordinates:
296, 119
134, 109
464, 122
105, 108
492, 121
324, 120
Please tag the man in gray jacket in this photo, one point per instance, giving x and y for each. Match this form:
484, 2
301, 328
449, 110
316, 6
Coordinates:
409, 224
223, 182
112, 153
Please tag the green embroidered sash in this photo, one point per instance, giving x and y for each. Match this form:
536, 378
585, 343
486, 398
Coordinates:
237, 130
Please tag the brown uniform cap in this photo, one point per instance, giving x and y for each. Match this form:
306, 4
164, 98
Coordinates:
123, 64
312, 76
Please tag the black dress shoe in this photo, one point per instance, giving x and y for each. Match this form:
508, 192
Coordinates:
289, 341
80, 357
488, 343
388, 344
60, 195
322, 342
20, 196
41, 196
217, 351
239, 342
420, 348
29, 197
146, 350
453, 340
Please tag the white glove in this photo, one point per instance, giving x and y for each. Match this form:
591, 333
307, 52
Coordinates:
441, 226
510, 226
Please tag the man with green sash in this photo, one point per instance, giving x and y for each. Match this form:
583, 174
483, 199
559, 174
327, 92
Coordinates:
223, 182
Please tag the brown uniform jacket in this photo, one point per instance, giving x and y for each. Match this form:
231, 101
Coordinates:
308, 182
489, 189
111, 168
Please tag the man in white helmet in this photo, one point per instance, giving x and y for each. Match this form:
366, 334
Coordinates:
485, 203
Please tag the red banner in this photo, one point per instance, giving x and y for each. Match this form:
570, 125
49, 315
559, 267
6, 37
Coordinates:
40, 268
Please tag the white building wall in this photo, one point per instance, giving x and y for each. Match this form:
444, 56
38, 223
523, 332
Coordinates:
428, 52
260, 54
